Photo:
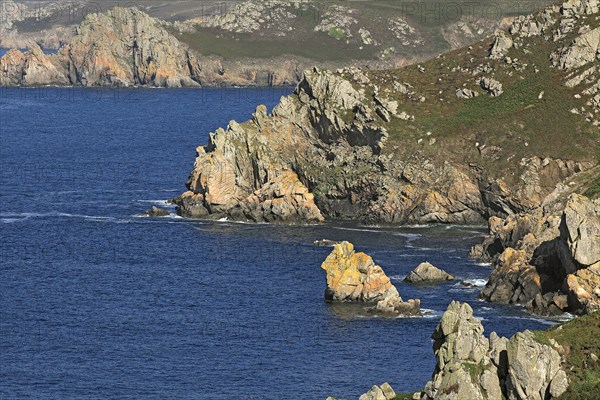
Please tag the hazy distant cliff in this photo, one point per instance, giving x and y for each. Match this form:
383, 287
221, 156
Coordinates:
226, 43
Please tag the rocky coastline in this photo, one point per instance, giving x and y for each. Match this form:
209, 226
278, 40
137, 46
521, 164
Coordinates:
547, 260
541, 365
345, 142
125, 47
362, 144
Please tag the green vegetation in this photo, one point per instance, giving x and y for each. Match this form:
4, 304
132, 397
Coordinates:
431, 20
594, 190
580, 339
403, 396
337, 33
533, 117
475, 370
316, 46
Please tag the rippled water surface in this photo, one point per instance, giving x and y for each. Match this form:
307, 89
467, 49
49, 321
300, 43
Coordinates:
97, 302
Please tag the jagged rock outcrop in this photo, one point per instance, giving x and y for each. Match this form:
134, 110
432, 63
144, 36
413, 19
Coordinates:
547, 259
328, 134
426, 272
583, 288
353, 276
501, 45
30, 68
534, 369
538, 180
383, 392
584, 49
470, 366
121, 47
492, 86
464, 93
284, 198
126, 46
582, 229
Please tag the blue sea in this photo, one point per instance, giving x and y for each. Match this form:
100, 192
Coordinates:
98, 302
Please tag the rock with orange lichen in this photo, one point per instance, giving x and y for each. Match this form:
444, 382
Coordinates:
128, 47
355, 277
513, 280
31, 68
11, 68
284, 198
583, 288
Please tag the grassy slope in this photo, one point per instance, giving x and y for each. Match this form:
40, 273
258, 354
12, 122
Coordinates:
517, 122
427, 16
581, 340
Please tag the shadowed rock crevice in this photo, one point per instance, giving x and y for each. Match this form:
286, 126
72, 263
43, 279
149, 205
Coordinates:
548, 260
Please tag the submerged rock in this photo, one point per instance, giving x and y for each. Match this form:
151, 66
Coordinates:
156, 212
353, 276
426, 272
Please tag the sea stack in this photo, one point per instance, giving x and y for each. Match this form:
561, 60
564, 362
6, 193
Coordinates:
355, 277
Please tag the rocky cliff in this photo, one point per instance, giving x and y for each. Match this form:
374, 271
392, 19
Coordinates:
408, 146
121, 47
549, 258
471, 366
127, 47
256, 42
528, 366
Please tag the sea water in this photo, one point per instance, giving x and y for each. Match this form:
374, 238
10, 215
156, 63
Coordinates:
99, 302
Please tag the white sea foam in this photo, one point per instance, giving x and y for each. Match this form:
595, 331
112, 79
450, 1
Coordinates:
12, 220
408, 235
472, 283
429, 313
54, 214
358, 229
158, 202
536, 319
418, 226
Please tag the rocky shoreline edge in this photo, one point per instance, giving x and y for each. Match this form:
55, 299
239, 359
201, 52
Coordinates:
539, 365
349, 145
